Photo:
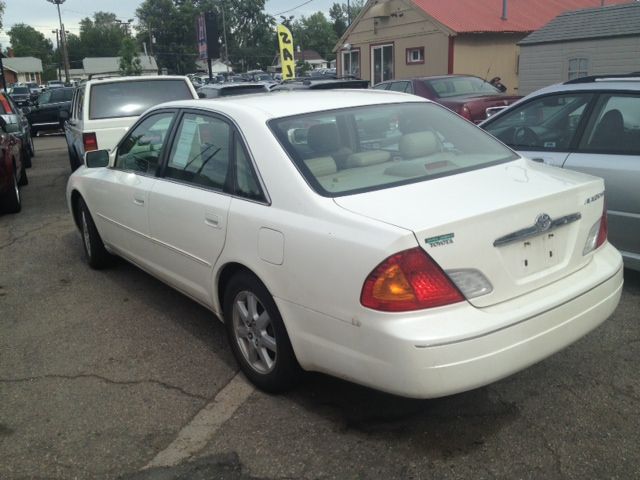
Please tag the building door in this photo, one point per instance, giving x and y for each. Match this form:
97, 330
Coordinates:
381, 63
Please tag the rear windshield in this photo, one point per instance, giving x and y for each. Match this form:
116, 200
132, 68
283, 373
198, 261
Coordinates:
455, 86
20, 90
347, 151
128, 99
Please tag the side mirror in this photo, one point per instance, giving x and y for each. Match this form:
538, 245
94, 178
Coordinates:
201, 95
96, 158
64, 115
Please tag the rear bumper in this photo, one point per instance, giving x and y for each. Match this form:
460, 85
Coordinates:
460, 347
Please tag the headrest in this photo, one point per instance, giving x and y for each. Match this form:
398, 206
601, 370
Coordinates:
323, 138
419, 144
362, 159
321, 166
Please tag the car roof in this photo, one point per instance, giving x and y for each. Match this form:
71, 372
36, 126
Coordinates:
286, 103
139, 78
631, 84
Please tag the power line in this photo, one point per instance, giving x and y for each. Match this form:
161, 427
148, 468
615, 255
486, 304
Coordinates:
294, 8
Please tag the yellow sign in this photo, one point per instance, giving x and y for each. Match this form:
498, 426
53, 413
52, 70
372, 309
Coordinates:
285, 40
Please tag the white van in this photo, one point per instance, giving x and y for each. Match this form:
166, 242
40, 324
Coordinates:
103, 110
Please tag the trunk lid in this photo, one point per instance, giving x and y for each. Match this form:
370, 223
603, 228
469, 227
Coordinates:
483, 220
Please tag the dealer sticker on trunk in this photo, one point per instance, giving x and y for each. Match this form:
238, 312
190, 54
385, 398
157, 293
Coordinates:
440, 240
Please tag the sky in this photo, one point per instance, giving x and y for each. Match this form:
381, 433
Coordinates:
43, 16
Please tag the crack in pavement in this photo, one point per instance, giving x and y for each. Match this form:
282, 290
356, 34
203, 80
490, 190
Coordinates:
29, 232
106, 380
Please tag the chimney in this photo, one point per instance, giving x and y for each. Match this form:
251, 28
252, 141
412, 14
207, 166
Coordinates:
504, 10
10, 53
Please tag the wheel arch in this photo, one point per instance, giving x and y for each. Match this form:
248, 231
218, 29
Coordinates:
225, 274
75, 206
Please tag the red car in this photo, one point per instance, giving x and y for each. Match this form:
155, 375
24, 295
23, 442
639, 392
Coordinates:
12, 170
470, 97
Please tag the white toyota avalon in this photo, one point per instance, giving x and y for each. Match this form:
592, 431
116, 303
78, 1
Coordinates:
371, 235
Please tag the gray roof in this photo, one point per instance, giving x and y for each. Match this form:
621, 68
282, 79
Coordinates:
22, 64
93, 65
608, 21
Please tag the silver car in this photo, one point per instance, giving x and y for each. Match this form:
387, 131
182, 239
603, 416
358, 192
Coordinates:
590, 124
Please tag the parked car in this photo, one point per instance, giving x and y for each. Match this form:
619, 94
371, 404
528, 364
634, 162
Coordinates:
214, 90
373, 236
13, 173
591, 125
46, 112
34, 90
21, 95
103, 109
320, 84
18, 125
470, 97
55, 84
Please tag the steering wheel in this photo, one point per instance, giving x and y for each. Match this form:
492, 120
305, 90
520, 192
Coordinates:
525, 136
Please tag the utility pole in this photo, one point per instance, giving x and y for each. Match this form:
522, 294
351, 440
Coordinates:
59, 53
125, 25
63, 40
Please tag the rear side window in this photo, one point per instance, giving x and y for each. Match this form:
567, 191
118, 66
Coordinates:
128, 99
61, 95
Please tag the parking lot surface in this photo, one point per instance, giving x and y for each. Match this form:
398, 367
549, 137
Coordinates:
112, 374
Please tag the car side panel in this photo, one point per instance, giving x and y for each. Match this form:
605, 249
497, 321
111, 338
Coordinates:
621, 174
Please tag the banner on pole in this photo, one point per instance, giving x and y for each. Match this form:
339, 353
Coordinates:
287, 60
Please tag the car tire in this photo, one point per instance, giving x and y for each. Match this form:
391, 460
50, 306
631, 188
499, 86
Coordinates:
73, 160
11, 201
257, 335
24, 180
95, 253
26, 156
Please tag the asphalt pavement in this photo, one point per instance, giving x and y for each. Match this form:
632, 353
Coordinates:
112, 374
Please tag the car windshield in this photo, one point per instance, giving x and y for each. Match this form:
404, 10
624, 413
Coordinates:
354, 150
128, 99
20, 90
456, 86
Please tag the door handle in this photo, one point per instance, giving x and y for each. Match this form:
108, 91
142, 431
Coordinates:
538, 159
212, 221
138, 200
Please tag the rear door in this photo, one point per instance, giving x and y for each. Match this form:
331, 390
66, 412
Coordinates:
189, 204
610, 149
73, 126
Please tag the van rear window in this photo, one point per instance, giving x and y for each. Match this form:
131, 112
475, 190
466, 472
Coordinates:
129, 99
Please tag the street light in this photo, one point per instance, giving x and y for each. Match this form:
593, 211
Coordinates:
63, 40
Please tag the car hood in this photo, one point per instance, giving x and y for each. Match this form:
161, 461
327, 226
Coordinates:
460, 219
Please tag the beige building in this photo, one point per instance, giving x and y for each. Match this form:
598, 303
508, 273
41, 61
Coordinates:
395, 39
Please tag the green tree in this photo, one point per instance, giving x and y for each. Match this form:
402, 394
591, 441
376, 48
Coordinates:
129, 61
26, 41
315, 33
342, 14
101, 36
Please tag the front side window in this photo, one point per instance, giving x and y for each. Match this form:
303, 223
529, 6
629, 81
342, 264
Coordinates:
578, 67
132, 98
200, 153
142, 148
545, 123
45, 97
379, 146
614, 126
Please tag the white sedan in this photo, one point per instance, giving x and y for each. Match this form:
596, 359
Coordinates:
371, 235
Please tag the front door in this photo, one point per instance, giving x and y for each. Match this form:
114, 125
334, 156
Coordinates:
121, 208
381, 63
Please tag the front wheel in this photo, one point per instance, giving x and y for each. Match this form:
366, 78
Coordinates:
257, 335
11, 202
97, 256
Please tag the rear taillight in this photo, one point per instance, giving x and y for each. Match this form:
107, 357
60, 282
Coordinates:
465, 112
598, 233
409, 280
89, 141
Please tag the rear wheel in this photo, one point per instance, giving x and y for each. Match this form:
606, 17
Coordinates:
257, 335
97, 256
11, 200
23, 175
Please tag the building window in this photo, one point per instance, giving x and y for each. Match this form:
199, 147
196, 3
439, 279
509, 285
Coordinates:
415, 55
351, 63
578, 67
